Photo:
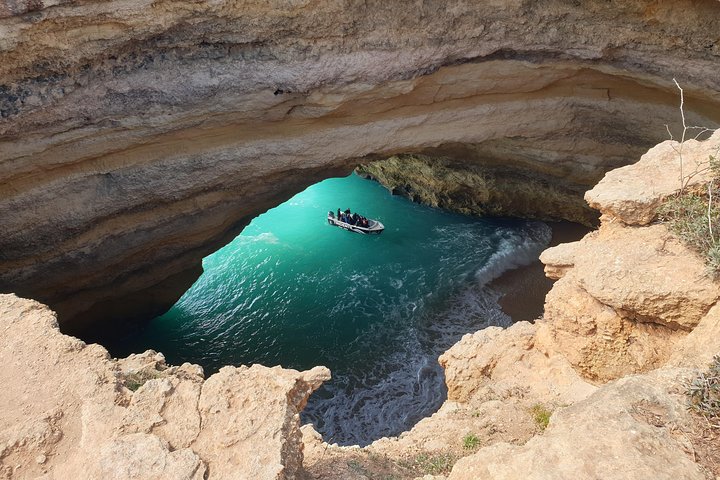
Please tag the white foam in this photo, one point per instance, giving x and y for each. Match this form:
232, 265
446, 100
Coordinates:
408, 385
515, 251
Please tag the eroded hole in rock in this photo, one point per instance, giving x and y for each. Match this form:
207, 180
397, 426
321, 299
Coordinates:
292, 290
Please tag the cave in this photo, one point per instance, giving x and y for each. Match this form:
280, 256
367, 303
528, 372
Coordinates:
123, 250
138, 139
165, 140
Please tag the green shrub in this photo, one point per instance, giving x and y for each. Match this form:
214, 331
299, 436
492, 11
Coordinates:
541, 415
692, 217
471, 441
704, 393
134, 381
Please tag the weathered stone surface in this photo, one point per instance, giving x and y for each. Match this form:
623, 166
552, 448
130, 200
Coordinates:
598, 342
142, 456
626, 430
66, 403
264, 407
626, 295
482, 186
504, 360
165, 128
645, 274
699, 347
632, 194
560, 259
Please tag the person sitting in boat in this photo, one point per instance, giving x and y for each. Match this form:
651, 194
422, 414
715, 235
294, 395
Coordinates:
338, 214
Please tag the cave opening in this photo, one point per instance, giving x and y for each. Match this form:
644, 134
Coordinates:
378, 310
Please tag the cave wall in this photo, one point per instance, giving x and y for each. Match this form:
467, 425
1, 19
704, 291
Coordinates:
136, 137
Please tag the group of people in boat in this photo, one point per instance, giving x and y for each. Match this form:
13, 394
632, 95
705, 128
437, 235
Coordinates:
351, 218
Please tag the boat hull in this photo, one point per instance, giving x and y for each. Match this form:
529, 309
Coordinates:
376, 228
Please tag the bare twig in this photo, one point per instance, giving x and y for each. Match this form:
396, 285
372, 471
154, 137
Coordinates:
709, 209
682, 138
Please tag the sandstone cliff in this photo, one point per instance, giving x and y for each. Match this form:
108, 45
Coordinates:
69, 411
630, 298
631, 318
137, 137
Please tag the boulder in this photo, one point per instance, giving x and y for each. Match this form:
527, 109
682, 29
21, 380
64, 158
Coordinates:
633, 193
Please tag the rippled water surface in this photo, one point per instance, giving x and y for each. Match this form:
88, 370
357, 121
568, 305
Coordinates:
377, 310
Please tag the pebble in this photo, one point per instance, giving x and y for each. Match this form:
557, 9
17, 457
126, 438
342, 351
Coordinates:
41, 459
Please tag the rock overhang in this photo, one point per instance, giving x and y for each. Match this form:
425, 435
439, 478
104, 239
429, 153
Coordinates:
165, 128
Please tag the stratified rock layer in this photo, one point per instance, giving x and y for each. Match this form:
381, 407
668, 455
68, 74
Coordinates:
69, 411
136, 137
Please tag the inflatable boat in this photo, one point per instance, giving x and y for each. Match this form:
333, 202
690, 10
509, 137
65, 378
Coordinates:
373, 225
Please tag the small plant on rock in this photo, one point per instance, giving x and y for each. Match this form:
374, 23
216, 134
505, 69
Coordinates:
704, 393
437, 463
541, 415
471, 441
133, 381
693, 214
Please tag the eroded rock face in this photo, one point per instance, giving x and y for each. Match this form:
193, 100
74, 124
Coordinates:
505, 361
72, 412
627, 293
645, 274
165, 128
633, 194
600, 343
623, 431
482, 186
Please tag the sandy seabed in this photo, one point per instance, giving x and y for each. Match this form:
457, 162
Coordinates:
523, 289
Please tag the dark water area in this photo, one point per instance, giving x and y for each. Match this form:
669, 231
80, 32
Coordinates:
292, 290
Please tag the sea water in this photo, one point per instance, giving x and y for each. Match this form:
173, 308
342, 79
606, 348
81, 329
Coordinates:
377, 310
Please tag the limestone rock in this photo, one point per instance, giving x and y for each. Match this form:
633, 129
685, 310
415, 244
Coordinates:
601, 344
88, 416
559, 259
633, 193
165, 130
645, 274
625, 431
244, 410
699, 347
496, 363
145, 457
627, 294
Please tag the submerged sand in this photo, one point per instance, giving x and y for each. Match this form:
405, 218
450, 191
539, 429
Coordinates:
523, 289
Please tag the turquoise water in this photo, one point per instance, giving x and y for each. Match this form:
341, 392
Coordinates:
377, 309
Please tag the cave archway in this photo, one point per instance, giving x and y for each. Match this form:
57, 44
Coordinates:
138, 220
